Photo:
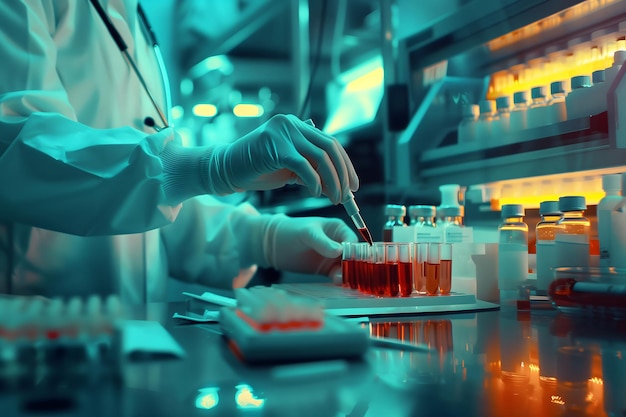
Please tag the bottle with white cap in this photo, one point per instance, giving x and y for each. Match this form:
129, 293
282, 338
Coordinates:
612, 186
501, 122
467, 127
572, 238
395, 218
512, 252
558, 111
545, 233
484, 124
538, 111
576, 101
519, 114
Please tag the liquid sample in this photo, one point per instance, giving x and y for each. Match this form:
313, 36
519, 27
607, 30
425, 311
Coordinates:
405, 278
346, 270
364, 282
392, 282
445, 276
359, 268
419, 277
366, 235
432, 278
379, 279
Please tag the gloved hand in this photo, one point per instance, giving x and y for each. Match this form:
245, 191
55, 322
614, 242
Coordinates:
284, 150
309, 245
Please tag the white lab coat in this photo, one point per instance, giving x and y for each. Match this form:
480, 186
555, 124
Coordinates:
83, 188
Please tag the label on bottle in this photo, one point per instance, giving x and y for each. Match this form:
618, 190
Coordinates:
546, 260
458, 234
403, 234
572, 250
512, 265
429, 234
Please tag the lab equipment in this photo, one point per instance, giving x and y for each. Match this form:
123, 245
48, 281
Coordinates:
467, 126
484, 132
431, 269
558, 110
502, 121
612, 186
355, 215
405, 269
545, 233
572, 236
445, 268
512, 251
420, 257
269, 325
577, 101
518, 119
538, 113
395, 218
422, 220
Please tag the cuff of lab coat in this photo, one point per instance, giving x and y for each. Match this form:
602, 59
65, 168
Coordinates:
184, 172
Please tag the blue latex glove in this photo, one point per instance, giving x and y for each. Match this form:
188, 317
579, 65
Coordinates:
284, 150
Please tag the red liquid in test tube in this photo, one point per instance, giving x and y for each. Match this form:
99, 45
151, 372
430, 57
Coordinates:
445, 276
432, 278
392, 284
379, 278
346, 269
405, 278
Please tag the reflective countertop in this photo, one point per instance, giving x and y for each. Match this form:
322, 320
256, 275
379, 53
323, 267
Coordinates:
489, 363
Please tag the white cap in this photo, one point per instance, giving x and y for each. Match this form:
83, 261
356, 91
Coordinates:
449, 194
487, 106
612, 182
619, 57
580, 81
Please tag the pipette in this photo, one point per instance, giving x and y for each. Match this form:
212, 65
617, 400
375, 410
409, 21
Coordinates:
353, 211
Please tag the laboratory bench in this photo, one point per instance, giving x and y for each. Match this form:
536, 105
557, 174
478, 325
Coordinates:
489, 363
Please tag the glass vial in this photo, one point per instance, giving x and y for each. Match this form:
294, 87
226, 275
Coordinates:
538, 111
518, 116
502, 120
512, 251
558, 110
395, 218
576, 100
484, 124
467, 127
545, 233
572, 237
612, 186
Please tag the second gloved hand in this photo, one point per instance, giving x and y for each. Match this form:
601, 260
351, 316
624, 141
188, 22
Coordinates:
284, 150
310, 245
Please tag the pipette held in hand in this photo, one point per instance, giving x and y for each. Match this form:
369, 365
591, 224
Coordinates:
355, 215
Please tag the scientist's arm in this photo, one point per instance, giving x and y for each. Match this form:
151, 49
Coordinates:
212, 243
61, 175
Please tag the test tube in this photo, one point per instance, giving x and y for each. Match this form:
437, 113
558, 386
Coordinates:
347, 263
432, 269
363, 282
445, 268
392, 285
420, 257
379, 269
405, 269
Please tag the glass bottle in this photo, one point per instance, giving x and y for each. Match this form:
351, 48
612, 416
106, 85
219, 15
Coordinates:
558, 111
538, 111
545, 233
395, 218
423, 220
467, 127
501, 123
518, 116
572, 237
484, 124
512, 251
612, 186
576, 101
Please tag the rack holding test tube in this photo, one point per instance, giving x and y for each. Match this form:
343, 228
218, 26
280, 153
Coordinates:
392, 278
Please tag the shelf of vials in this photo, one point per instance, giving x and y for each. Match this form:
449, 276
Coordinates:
55, 340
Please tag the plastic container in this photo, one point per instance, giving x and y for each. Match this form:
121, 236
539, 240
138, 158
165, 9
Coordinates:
518, 116
512, 251
612, 186
558, 110
538, 111
502, 121
577, 100
591, 292
395, 218
484, 124
545, 233
467, 127
572, 237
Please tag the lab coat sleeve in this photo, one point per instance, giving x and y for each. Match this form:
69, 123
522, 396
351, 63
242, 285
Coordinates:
213, 252
58, 174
